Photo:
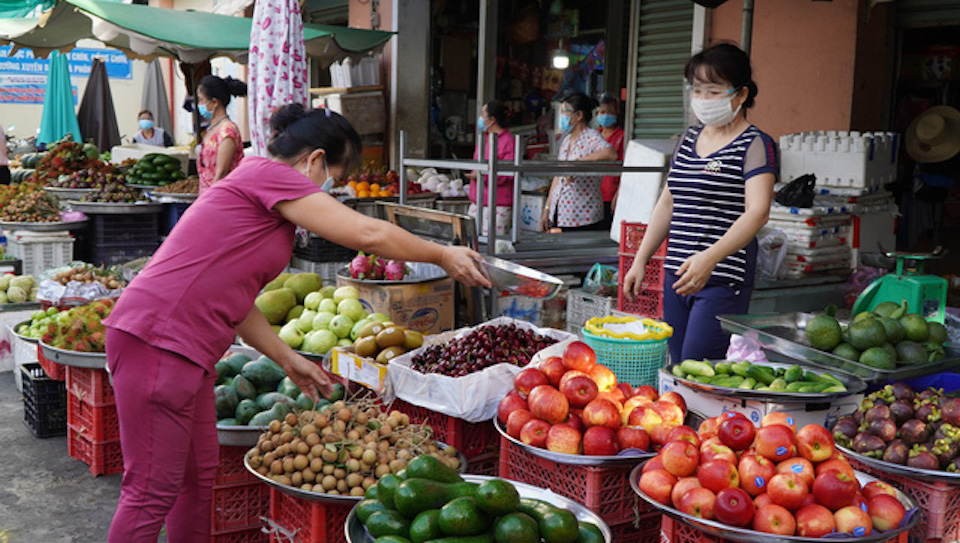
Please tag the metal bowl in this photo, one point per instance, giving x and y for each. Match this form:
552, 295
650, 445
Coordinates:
76, 359
929, 475
854, 385
516, 279
13, 330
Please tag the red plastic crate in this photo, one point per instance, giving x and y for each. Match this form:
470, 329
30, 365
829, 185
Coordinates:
98, 421
672, 531
604, 490
103, 457
249, 535
294, 520
55, 371
239, 506
631, 235
91, 386
644, 529
484, 464
648, 304
471, 439
939, 504
231, 468
653, 272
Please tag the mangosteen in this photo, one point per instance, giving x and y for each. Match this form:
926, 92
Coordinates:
877, 412
931, 394
846, 426
882, 402
858, 416
927, 412
945, 450
885, 429
902, 391
902, 411
923, 459
950, 410
896, 452
914, 432
866, 443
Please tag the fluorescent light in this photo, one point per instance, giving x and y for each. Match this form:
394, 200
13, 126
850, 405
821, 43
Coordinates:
561, 60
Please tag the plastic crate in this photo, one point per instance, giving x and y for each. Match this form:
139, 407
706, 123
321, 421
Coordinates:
231, 468
99, 421
644, 529
103, 457
471, 439
170, 216
648, 304
90, 385
673, 531
55, 371
138, 229
484, 464
248, 535
326, 270
321, 250
44, 402
40, 251
460, 206
637, 362
112, 255
939, 504
582, 307
604, 490
294, 520
239, 506
652, 274
631, 235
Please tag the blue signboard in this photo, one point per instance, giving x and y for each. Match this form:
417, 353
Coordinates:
80, 61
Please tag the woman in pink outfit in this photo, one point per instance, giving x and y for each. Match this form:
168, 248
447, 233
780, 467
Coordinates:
179, 315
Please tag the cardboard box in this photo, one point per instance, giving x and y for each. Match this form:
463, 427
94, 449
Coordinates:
425, 306
365, 371
710, 405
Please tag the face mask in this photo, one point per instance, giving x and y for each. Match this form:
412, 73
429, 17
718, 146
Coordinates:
565, 123
328, 183
481, 123
714, 112
606, 120
146, 124
204, 112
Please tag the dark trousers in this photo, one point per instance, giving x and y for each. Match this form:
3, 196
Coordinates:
696, 330
4, 175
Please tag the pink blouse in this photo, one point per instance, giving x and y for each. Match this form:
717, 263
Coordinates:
207, 157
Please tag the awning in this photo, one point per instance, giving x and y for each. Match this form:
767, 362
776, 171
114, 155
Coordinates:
190, 36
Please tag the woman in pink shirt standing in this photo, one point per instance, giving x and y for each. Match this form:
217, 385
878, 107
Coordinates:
179, 315
492, 116
221, 149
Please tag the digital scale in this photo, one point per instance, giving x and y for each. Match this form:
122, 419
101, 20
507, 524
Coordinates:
925, 295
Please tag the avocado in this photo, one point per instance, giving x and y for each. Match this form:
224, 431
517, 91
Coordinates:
462, 517
823, 332
867, 333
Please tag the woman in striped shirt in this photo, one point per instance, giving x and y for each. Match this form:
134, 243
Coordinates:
717, 198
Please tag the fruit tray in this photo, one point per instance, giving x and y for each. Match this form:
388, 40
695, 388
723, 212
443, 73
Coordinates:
13, 330
57, 226
61, 192
97, 361
723, 531
783, 333
179, 197
108, 208
854, 385
356, 533
516, 279
929, 475
239, 436
629, 456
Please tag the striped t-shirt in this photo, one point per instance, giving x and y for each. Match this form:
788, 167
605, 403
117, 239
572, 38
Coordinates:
708, 196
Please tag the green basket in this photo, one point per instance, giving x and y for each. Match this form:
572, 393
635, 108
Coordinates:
632, 361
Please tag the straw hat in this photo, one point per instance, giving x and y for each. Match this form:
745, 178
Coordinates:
934, 136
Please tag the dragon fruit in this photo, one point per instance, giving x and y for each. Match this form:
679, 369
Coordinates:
395, 270
379, 267
361, 266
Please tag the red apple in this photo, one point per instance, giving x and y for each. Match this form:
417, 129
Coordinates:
660, 434
574, 421
580, 390
645, 416
604, 377
579, 356
716, 452
676, 399
834, 489
510, 403
549, 404
516, 421
614, 396
633, 437
658, 484
682, 487
699, 502
853, 520
814, 521
718, 475
708, 428
680, 458
630, 405
859, 501
755, 473
534, 433
686, 433
553, 369
528, 379
601, 413
733, 507
799, 466
885, 511
563, 439
669, 412
705, 443
627, 390
775, 442
600, 441
815, 443
763, 499
652, 464
729, 415
875, 488
737, 433
570, 374
779, 418
838, 464
774, 519
647, 391
787, 490
809, 500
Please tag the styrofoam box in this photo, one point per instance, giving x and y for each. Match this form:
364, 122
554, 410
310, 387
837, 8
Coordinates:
841, 159
364, 110
531, 209
119, 153
711, 405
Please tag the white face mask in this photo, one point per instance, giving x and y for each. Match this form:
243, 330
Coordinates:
716, 111
328, 183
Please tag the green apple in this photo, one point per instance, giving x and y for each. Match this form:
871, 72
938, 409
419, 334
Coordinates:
291, 335
344, 342
341, 326
351, 307
343, 293
328, 305
312, 300
322, 320
305, 322
327, 291
320, 342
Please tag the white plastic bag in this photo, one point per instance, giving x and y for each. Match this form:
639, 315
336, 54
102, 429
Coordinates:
745, 348
772, 251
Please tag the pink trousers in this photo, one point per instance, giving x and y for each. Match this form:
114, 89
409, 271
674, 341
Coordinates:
168, 436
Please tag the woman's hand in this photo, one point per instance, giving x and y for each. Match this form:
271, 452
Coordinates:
460, 263
307, 375
545, 217
694, 273
633, 282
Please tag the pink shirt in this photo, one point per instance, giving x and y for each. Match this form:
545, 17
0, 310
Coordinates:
207, 157
506, 151
202, 281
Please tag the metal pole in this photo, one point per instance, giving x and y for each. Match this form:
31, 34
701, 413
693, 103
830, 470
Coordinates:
480, 188
403, 170
492, 195
518, 154
746, 26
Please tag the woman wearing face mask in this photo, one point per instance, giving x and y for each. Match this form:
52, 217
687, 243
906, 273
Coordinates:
575, 202
150, 134
611, 131
161, 349
222, 148
717, 198
491, 121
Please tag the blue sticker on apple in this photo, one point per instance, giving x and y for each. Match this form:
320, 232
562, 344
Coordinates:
781, 451
797, 468
859, 531
759, 481
864, 506
790, 421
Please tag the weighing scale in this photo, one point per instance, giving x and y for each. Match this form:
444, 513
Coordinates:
924, 294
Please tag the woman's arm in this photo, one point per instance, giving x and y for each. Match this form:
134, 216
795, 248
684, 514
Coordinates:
321, 214
657, 230
694, 272
545, 215
225, 151
606, 153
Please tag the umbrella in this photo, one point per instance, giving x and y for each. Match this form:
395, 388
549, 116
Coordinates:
278, 67
58, 118
155, 97
98, 120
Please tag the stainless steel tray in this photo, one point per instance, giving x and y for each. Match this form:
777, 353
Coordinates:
720, 530
13, 330
239, 436
783, 334
175, 196
107, 208
693, 420
355, 532
517, 279
58, 226
60, 192
854, 385
76, 359
24, 306
142, 186
929, 475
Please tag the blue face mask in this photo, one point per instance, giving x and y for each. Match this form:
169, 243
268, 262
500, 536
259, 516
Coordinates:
481, 123
606, 120
146, 124
204, 112
565, 123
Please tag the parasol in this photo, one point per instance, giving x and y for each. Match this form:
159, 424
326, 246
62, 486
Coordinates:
97, 117
59, 118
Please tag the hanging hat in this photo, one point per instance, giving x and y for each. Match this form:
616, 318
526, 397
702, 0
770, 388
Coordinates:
934, 136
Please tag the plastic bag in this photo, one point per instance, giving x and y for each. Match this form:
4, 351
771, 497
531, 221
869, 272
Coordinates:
745, 348
798, 193
601, 280
772, 252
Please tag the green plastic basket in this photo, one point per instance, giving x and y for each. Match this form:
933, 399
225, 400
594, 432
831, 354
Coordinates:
632, 361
